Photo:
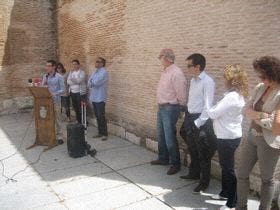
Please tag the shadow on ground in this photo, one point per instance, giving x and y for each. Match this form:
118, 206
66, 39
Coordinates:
120, 175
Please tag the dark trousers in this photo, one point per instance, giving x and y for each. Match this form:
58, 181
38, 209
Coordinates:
76, 102
167, 118
99, 111
202, 144
226, 149
65, 103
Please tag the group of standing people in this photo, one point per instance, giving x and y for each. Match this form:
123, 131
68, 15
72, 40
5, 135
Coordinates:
207, 126
74, 88
210, 126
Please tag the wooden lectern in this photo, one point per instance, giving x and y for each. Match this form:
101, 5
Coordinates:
44, 117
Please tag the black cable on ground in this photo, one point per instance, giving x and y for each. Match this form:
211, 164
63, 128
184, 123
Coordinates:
11, 178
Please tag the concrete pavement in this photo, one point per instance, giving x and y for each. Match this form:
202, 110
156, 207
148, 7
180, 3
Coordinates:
119, 177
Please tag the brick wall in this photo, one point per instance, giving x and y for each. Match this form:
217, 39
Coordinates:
130, 34
27, 40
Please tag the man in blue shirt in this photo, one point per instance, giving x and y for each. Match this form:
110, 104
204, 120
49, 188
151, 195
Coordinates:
98, 84
55, 83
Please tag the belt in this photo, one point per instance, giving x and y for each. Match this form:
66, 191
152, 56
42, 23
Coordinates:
167, 104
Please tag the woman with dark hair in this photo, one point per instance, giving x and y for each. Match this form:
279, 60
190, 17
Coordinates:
65, 97
262, 144
227, 119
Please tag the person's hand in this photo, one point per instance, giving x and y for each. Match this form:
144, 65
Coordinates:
181, 115
251, 114
53, 94
194, 127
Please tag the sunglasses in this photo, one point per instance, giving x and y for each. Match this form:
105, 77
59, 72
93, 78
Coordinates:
98, 61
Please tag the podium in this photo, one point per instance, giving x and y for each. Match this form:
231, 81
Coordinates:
44, 117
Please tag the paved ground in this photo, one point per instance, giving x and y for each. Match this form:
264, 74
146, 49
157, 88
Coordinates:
119, 177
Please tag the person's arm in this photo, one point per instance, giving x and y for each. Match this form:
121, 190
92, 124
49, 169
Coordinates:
99, 79
89, 81
81, 77
179, 84
221, 107
61, 86
69, 79
276, 122
208, 95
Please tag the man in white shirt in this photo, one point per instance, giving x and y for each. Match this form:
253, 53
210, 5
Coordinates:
77, 87
200, 137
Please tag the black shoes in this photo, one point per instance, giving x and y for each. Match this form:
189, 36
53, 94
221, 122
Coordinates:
60, 141
173, 170
200, 188
158, 162
190, 177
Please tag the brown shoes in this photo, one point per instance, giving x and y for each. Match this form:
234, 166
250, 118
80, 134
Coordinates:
104, 138
173, 170
158, 162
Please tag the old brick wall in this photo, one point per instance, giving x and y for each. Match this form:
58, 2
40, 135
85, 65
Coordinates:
27, 40
130, 34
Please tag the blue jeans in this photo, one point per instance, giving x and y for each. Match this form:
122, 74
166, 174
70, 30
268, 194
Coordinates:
226, 150
167, 118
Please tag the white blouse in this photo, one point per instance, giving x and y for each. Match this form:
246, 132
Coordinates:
227, 116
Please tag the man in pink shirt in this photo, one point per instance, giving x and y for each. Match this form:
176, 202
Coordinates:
171, 94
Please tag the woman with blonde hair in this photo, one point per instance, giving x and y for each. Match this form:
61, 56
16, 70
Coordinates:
227, 118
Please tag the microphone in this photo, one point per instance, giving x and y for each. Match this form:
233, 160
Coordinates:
30, 82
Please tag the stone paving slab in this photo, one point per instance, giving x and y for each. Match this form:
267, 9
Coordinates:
76, 188
53, 206
154, 179
121, 158
148, 204
119, 177
184, 198
109, 199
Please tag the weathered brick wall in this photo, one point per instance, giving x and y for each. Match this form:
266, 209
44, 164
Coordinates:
27, 40
130, 34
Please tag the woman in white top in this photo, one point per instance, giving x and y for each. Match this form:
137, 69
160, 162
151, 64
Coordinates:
227, 118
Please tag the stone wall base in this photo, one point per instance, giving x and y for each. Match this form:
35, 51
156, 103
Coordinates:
15, 105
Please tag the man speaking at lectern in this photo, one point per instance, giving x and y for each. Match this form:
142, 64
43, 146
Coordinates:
55, 83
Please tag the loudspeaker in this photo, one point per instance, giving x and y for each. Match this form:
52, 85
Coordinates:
76, 143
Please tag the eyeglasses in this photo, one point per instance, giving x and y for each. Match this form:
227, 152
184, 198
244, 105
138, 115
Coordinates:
189, 66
